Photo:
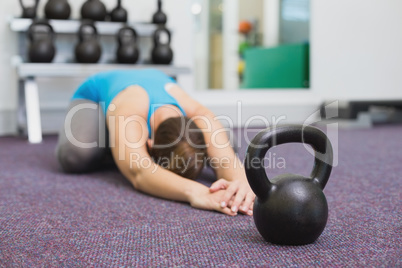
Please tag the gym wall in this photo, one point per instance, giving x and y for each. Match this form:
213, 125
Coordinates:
356, 49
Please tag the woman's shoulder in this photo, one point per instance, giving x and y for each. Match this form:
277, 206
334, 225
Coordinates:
131, 100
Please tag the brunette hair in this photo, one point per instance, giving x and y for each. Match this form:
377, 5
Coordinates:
179, 146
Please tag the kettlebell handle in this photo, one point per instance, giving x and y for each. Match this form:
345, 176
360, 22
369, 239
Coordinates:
81, 29
157, 34
268, 138
120, 34
40, 22
35, 4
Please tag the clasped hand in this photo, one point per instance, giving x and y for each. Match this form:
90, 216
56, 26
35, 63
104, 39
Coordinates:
235, 196
228, 197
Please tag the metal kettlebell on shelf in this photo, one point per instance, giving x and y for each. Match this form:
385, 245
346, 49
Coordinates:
118, 14
41, 36
162, 53
57, 10
127, 51
29, 12
93, 10
289, 209
88, 50
159, 17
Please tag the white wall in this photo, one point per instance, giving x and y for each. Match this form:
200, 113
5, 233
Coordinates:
356, 49
8, 48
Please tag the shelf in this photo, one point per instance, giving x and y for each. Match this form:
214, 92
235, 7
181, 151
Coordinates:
71, 26
29, 103
25, 70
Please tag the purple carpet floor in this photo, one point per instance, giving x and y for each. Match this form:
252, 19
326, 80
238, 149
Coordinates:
50, 219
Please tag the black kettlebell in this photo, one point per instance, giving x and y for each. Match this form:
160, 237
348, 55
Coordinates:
88, 50
162, 53
93, 10
127, 51
289, 209
118, 14
159, 17
57, 10
41, 36
29, 12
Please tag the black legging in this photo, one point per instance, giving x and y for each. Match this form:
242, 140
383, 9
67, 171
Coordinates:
87, 128
83, 141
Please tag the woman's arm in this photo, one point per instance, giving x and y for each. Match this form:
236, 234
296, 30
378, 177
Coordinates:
150, 178
128, 136
224, 161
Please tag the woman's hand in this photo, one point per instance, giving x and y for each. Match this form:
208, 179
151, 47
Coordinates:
237, 195
205, 199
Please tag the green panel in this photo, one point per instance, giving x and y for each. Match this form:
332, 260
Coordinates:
285, 66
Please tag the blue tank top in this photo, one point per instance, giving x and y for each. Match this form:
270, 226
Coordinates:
103, 87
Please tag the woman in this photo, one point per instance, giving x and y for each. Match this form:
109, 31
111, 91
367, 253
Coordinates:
158, 137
